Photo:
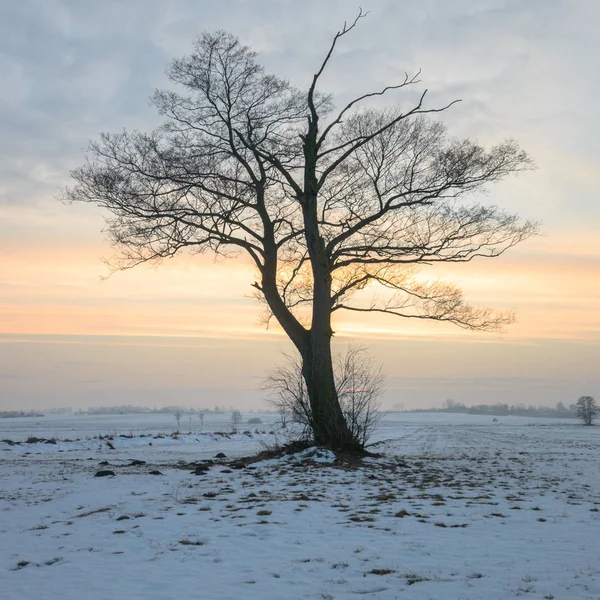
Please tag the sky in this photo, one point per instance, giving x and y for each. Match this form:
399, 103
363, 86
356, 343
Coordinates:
189, 332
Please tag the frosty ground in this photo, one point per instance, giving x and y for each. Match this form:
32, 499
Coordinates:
457, 507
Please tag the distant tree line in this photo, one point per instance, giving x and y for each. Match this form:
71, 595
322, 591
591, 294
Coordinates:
122, 409
14, 414
131, 409
560, 410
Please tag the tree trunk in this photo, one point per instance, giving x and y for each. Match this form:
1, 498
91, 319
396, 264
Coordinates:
329, 425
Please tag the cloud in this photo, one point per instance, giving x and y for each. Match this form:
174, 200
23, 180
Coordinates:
72, 69
85, 67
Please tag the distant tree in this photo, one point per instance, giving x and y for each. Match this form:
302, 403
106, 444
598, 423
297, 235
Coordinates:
284, 416
587, 409
177, 416
201, 417
325, 202
236, 419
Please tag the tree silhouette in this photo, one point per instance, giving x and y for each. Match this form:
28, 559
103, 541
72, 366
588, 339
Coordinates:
587, 409
325, 201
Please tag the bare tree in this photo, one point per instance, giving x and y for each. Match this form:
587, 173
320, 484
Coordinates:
284, 416
236, 419
587, 409
359, 385
325, 201
177, 416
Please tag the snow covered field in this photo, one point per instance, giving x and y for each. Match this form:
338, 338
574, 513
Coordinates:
459, 507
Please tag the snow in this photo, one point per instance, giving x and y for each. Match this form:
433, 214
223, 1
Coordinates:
82, 426
458, 507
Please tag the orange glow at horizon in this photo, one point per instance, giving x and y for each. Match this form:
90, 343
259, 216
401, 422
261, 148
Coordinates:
57, 290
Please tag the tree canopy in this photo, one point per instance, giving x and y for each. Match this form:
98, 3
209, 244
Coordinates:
325, 200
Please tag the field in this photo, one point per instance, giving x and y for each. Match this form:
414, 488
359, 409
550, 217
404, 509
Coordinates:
457, 507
